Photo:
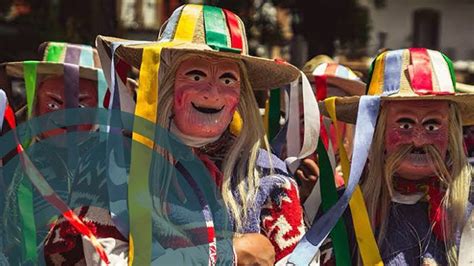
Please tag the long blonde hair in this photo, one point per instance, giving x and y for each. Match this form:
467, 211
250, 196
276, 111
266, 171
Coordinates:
454, 173
239, 165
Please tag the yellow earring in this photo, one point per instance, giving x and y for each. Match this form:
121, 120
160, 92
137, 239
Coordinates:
236, 124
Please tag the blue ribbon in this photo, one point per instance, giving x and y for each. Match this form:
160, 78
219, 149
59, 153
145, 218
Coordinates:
307, 248
87, 56
117, 181
392, 72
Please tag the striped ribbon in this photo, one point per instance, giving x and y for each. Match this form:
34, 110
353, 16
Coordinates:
365, 238
312, 240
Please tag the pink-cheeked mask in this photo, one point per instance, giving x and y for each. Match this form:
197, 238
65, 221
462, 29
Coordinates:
206, 95
417, 123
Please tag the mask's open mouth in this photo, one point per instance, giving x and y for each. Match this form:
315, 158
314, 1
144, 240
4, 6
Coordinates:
418, 156
418, 151
207, 110
59, 125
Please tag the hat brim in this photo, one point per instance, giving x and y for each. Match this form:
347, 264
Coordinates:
15, 69
351, 87
347, 107
262, 73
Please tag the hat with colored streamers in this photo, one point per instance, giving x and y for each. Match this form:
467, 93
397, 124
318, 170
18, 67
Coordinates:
211, 31
339, 76
410, 74
72, 61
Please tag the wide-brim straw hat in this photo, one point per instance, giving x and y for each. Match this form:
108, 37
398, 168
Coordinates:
211, 31
72, 61
409, 74
314, 62
54, 56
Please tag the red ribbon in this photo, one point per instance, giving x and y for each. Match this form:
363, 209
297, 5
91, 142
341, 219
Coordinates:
70, 216
234, 29
321, 87
420, 71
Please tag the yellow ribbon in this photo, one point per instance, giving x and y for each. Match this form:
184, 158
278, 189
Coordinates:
368, 248
138, 192
187, 23
376, 85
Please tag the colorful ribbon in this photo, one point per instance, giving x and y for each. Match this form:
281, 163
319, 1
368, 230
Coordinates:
365, 238
138, 193
420, 71
392, 72
329, 198
312, 240
49, 195
311, 123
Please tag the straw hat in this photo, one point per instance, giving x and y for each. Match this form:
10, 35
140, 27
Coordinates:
211, 31
410, 74
55, 55
314, 62
339, 76
73, 61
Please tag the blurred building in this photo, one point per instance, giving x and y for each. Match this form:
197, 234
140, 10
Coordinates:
446, 25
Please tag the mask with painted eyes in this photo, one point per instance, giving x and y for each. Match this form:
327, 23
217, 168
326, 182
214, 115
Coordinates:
206, 95
419, 124
51, 97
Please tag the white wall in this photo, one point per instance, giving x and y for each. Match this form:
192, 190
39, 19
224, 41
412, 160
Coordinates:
396, 18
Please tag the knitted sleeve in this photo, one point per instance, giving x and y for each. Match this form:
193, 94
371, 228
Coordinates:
282, 217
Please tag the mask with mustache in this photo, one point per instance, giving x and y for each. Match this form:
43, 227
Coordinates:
415, 128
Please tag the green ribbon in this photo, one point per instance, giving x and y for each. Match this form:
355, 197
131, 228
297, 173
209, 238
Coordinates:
216, 29
274, 113
25, 204
55, 52
25, 190
451, 70
329, 197
29, 74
